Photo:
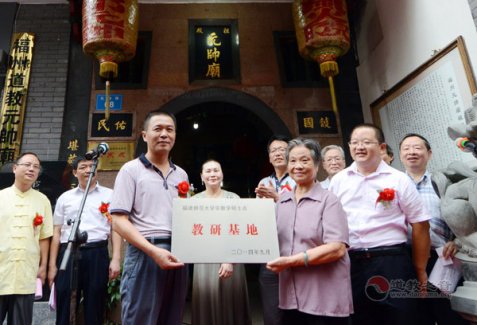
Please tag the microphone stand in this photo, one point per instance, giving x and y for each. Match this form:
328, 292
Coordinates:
75, 239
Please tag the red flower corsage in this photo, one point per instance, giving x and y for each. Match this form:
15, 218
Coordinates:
286, 187
182, 189
38, 220
104, 209
385, 197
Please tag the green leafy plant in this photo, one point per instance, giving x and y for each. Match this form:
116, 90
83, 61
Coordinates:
114, 297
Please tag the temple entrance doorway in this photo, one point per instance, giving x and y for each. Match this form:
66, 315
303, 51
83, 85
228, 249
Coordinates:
226, 125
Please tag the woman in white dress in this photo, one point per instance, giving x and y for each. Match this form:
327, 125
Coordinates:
219, 291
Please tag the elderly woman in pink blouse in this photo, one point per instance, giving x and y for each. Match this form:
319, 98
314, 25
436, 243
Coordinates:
314, 267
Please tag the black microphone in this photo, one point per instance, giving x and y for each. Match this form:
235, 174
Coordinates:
99, 151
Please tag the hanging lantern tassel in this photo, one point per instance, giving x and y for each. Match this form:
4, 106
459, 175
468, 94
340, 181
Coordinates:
328, 70
106, 100
322, 32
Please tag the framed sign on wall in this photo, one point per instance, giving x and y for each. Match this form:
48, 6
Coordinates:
120, 126
427, 101
213, 51
317, 122
118, 154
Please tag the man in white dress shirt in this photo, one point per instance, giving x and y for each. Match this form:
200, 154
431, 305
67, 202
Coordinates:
94, 267
380, 202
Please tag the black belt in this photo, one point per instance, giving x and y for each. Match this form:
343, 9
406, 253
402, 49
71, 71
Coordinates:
159, 240
366, 253
95, 244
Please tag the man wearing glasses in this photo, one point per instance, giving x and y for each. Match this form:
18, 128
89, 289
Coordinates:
26, 225
415, 153
278, 181
333, 162
380, 202
271, 187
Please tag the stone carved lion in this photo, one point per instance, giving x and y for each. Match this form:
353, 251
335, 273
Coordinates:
457, 186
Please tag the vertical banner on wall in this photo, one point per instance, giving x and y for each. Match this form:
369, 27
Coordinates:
15, 96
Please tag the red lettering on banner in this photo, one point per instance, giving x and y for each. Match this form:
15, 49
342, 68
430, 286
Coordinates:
252, 229
197, 229
234, 229
215, 229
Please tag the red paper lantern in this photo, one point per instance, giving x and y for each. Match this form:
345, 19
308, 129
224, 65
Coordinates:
110, 34
322, 32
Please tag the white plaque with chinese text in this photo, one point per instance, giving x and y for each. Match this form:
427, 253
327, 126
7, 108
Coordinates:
224, 230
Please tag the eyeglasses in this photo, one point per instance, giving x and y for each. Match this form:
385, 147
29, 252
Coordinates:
278, 149
365, 143
335, 159
84, 167
30, 165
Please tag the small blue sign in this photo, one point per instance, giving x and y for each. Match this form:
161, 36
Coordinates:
115, 102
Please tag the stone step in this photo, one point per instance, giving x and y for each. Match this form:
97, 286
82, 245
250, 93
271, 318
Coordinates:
42, 315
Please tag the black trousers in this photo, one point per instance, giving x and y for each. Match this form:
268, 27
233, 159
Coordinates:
18, 309
93, 275
268, 280
373, 280
436, 310
295, 317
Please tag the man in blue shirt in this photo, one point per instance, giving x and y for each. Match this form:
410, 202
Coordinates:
415, 153
271, 187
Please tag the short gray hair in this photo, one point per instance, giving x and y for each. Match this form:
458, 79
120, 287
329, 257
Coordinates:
310, 144
330, 147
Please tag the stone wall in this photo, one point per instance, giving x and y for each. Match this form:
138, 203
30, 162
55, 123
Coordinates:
48, 79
